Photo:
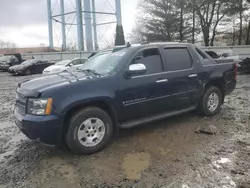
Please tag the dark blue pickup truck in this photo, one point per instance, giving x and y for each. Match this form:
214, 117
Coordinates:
121, 88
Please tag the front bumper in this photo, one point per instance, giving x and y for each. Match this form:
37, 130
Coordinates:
45, 129
4, 67
229, 87
11, 71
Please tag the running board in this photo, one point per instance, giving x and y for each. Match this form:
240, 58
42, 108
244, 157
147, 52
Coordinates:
160, 116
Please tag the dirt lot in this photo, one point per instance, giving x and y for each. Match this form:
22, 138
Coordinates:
174, 153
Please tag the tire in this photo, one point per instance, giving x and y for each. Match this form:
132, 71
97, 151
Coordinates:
82, 123
27, 72
204, 107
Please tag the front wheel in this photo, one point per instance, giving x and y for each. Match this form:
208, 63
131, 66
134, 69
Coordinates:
28, 72
211, 101
90, 130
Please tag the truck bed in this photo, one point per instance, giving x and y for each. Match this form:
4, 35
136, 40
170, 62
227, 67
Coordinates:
224, 60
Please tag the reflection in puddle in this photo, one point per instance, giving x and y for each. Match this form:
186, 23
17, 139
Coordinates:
134, 164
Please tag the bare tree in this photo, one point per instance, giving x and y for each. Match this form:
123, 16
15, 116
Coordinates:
211, 13
7, 44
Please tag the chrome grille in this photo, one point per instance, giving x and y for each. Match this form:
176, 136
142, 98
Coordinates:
21, 104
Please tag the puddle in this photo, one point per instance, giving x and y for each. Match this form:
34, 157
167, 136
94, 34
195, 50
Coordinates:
134, 164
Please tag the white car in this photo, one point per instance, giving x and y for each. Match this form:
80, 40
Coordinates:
69, 65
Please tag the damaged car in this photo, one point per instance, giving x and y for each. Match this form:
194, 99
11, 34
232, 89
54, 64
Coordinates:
7, 61
30, 67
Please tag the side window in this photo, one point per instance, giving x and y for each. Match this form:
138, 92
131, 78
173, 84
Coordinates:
38, 62
82, 61
177, 59
75, 62
151, 59
200, 53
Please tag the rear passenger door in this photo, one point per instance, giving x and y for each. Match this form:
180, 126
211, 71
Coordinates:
182, 76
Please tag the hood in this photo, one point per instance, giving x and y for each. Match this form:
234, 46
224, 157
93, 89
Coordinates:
54, 80
14, 67
4, 62
53, 68
18, 67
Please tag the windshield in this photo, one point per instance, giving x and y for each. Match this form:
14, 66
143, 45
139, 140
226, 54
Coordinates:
5, 58
29, 62
103, 63
64, 62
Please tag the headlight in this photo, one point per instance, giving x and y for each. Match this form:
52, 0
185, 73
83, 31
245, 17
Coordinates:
39, 106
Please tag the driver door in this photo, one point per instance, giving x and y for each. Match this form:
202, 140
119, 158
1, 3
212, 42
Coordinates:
144, 94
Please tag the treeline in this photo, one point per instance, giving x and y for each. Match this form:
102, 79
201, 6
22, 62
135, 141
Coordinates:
192, 20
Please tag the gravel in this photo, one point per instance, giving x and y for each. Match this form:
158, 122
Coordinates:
166, 153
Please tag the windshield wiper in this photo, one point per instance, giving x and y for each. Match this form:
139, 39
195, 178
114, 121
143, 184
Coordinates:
90, 71
70, 74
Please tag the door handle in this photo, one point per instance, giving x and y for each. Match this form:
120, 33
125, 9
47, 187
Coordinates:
162, 80
192, 75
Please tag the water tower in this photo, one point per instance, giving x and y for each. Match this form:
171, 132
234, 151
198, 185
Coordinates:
85, 14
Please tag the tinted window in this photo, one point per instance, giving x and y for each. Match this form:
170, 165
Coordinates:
76, 62
177, 59
151, 59
64, 62
39, 62
212, 54
82, 61
30, 62
200, 53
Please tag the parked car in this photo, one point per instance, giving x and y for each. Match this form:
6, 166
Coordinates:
69, 65
8, 61
29, 67
121, 89
244, 65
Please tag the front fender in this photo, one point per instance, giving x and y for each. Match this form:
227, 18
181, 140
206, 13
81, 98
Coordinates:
81, 102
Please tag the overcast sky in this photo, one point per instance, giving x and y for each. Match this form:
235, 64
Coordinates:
24, 22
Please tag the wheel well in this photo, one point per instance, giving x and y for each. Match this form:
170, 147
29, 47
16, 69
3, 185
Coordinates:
219, 84
99, 104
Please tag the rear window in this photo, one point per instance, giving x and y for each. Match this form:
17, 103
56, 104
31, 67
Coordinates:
177, 59
200, 53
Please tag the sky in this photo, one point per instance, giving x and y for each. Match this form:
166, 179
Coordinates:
24, 22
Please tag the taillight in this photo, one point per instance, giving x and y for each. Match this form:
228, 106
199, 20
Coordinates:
235, 71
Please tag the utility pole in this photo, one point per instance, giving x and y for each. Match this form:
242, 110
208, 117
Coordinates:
50, 27
118, 12
63, 25
88, 27
79, 25
94, 25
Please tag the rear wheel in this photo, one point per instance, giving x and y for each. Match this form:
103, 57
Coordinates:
90, 130
211, 101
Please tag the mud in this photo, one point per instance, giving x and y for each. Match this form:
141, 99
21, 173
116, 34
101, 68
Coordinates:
167, 154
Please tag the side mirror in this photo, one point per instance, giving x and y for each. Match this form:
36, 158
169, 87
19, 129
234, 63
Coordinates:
71, 64
136, 69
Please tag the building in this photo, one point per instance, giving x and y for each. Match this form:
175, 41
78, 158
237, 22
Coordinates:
28, 50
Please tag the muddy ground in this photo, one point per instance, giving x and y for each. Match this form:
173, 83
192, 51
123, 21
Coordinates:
170, 153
